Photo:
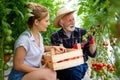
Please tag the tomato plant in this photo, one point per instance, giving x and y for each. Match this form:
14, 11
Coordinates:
104, 16
14, 15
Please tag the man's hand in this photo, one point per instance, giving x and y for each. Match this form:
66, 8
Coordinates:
92, 43
59, 49
91, 39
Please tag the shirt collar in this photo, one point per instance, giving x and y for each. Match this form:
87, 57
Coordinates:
30, 35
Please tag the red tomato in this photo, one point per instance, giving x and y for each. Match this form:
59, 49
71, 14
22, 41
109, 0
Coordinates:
6, 57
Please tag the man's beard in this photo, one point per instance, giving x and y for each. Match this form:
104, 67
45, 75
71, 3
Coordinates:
70, 28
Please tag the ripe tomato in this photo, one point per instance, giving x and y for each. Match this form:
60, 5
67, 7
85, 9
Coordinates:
75, 46
99, 25
108, 66
6, 57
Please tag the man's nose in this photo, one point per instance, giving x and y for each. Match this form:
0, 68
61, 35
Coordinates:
72, 22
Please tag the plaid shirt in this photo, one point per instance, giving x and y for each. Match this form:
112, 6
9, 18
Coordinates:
77, 72
60, 37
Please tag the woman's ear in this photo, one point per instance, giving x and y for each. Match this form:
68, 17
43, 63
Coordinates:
36, 22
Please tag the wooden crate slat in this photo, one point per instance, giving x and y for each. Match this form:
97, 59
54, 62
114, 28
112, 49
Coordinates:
67, 55
67, 64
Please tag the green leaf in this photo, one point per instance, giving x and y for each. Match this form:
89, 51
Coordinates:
5, 24
21, 14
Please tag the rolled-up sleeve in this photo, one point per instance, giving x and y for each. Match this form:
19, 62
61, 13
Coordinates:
22, 41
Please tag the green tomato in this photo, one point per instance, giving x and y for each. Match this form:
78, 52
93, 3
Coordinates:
89, 33
7, 47
86, 35
10, 51
8, 38
6, 51
84, 39
8, 31
5, 67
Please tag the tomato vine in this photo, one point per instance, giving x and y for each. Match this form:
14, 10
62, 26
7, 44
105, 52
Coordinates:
13, 17
103, 15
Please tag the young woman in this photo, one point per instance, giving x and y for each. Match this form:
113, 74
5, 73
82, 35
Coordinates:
29, 48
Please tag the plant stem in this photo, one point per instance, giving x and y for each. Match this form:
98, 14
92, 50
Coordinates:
1, 60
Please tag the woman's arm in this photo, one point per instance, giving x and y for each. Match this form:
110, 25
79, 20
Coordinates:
18, 62
48, 48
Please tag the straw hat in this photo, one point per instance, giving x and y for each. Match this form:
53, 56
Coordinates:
60, 13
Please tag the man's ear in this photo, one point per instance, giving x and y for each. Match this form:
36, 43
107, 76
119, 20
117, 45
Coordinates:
61, 23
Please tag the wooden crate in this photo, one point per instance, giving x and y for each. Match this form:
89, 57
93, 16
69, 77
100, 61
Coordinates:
64, 60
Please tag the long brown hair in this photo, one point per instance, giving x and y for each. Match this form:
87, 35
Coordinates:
39, 12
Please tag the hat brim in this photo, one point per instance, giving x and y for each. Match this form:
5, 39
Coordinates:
56, 20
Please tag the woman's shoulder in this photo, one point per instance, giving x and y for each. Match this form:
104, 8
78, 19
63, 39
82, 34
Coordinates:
24, 36
23, 40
